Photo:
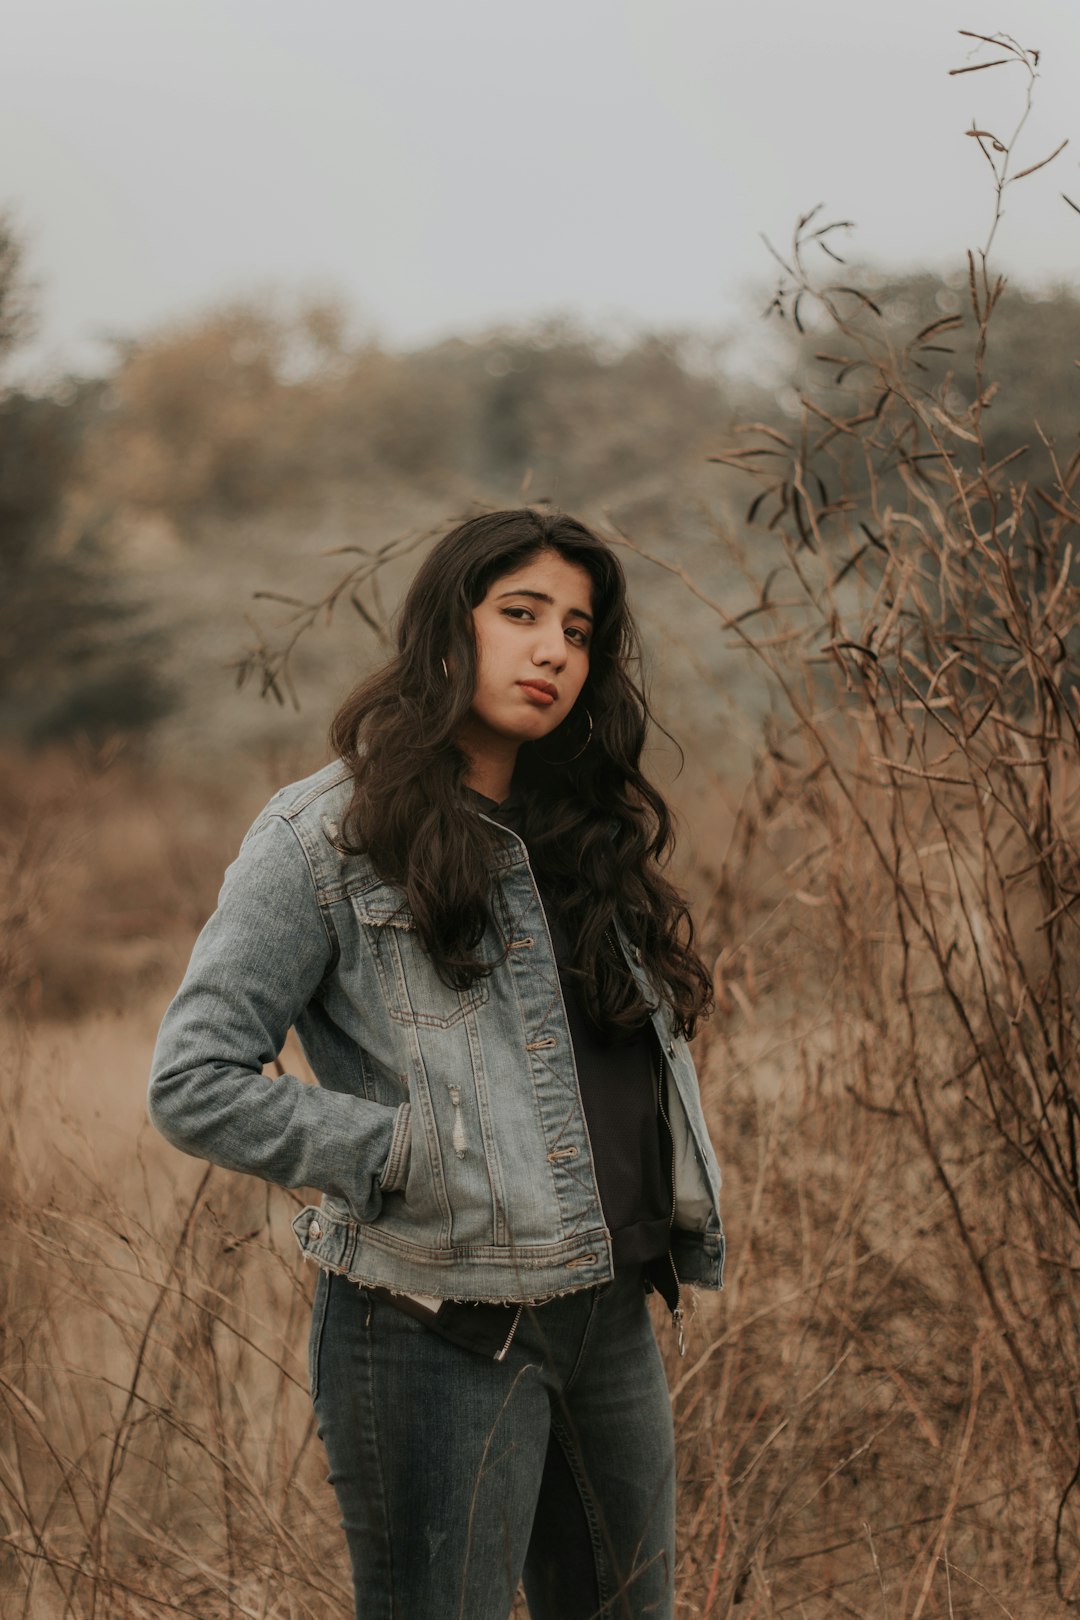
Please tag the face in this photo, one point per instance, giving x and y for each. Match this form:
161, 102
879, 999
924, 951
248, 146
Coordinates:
532, 633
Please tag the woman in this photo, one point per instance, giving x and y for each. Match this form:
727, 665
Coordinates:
465, 919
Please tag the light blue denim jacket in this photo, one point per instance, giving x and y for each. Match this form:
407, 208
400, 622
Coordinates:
446, 1133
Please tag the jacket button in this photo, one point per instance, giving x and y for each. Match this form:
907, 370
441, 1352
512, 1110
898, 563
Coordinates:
314, 1230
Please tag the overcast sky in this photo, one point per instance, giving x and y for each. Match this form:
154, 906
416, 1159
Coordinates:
448, 164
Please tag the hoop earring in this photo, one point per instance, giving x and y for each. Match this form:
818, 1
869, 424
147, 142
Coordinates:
588, 739
445, 671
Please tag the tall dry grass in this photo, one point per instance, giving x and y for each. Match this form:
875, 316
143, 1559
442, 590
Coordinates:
887, 1420
155, 1439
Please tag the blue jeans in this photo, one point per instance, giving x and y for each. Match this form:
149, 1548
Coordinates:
458, 1475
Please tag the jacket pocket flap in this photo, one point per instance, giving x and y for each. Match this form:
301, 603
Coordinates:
382, 910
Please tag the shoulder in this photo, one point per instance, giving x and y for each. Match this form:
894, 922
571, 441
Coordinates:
306, 816
316, 800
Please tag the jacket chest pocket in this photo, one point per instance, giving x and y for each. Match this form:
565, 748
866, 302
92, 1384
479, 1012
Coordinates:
412, 991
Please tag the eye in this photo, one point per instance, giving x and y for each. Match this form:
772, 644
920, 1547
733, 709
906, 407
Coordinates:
523, 615
579, 637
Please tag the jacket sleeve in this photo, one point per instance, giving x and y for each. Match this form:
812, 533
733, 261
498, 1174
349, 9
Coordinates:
255, 966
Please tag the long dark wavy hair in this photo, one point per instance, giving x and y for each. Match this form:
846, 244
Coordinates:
598, 832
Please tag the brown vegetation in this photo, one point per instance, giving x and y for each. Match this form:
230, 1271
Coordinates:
889, 1423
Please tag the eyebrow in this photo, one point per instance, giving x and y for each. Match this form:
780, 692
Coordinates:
540, 596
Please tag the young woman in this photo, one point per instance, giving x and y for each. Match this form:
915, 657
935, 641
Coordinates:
465, 919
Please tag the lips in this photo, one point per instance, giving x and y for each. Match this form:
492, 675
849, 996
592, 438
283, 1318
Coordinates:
540, 691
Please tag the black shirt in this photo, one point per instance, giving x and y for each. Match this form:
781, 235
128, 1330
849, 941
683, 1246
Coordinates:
619, 1079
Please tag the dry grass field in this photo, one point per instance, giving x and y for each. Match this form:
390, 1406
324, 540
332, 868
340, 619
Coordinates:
874, 1416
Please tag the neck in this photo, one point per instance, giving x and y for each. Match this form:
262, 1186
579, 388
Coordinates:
491, 765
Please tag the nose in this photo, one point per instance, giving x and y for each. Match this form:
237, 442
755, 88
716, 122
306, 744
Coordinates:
549, 645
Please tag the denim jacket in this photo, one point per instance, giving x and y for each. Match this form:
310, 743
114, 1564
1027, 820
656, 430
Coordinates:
446, 1133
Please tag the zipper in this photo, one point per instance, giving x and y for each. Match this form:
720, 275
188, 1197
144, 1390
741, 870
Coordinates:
678, 1320
500, 1355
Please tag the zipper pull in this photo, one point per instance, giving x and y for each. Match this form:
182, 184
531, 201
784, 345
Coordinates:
678, 1321
500, 1355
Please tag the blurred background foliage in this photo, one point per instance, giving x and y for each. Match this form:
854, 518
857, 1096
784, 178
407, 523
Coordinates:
141, 509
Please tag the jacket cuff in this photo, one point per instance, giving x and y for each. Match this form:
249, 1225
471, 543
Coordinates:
396, 1169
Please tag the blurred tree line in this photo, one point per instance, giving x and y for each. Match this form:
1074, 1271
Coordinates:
74, 658
246, 408
251, 411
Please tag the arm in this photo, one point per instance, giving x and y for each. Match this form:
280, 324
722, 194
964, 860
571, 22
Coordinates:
255, 966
